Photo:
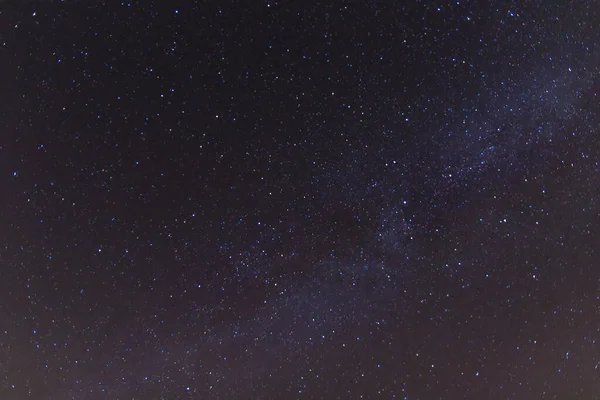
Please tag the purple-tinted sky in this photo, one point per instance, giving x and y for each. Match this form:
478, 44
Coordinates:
311, 200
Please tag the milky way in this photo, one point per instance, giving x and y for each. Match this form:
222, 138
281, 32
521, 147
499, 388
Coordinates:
276, 200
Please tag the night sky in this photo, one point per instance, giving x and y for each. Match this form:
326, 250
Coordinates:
297, 199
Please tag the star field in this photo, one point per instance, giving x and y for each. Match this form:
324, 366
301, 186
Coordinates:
281, 200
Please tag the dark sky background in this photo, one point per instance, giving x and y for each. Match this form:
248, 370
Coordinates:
298, 199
